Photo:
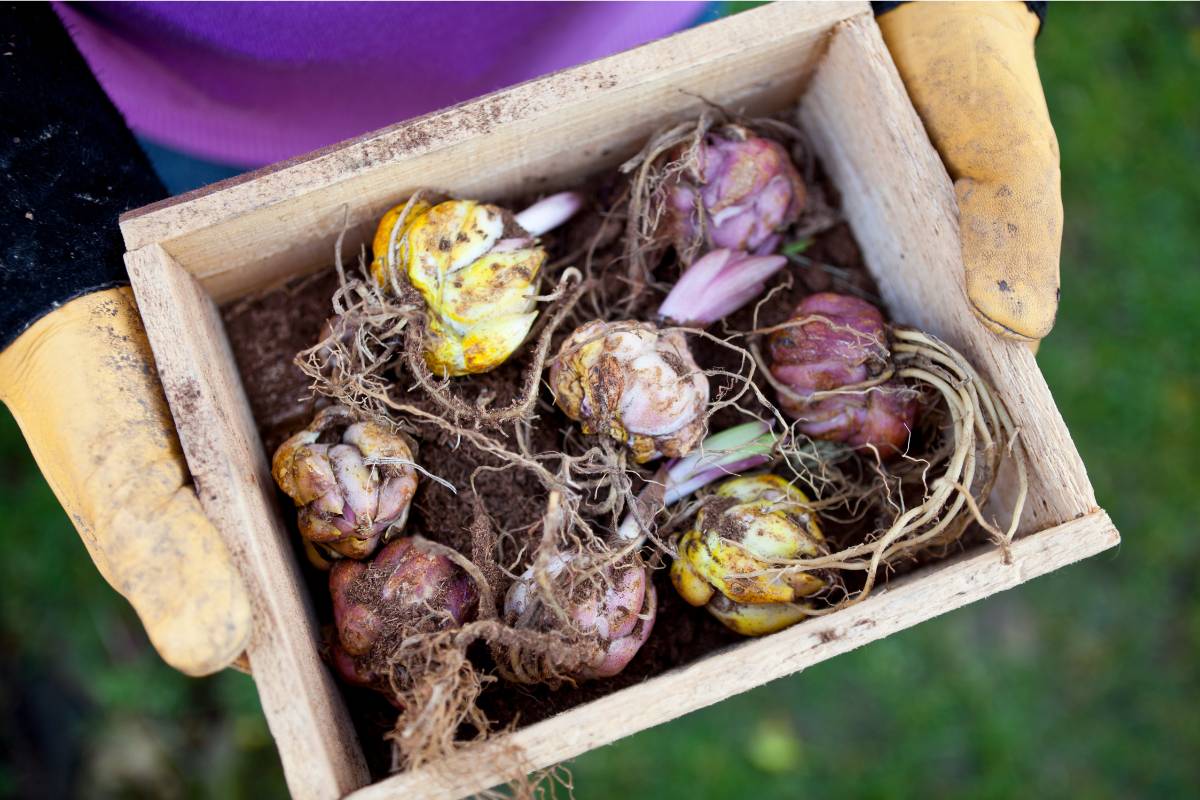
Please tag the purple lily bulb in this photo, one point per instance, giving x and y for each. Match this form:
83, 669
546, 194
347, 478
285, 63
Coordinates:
619, 612
407, 588
844, 344
353, 481
716, 285
742, 191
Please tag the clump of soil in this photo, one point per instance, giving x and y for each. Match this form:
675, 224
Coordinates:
261, 330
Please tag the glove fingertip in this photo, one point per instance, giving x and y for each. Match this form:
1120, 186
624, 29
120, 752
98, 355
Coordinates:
1012, 310
209, 637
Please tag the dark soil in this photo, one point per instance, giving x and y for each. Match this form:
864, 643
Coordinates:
267, 331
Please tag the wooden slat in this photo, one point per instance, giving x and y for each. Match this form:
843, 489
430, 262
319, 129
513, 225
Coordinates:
317, 743
907, 602
250, 232
900, 204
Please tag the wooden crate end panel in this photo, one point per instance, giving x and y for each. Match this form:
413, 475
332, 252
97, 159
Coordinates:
304, 711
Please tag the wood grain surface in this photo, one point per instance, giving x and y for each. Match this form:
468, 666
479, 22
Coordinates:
317, 743
906, 602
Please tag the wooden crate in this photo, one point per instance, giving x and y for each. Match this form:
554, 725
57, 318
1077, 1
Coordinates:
188, 254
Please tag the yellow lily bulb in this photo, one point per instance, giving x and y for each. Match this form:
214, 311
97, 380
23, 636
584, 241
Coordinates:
755, 620
383, 238
477, 268
725, 561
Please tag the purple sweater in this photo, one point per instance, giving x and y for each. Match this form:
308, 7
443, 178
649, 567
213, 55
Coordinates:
252, 83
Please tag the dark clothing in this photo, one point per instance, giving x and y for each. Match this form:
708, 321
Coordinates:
70, 168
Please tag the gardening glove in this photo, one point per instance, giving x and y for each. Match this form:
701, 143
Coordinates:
76, 370
82, 385
970, 71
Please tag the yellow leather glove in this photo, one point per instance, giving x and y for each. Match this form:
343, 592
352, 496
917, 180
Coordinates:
970, 71
82, 385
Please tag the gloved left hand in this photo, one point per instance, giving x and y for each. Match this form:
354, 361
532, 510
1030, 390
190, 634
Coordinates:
82, 385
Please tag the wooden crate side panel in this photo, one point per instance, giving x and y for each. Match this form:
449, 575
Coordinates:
316, 741
534, 137
906, 602
901, 206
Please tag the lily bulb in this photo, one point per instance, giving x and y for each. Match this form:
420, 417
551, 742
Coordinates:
716, 285
724, 562
635, 383
407, 588
617, 612
477, 267
742, 192
840, 348
353, 481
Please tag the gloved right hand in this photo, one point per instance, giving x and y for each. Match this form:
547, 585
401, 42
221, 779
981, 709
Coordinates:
970, 71
82, 384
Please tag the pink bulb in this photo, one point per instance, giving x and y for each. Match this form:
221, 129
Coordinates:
745, 189
407, 588
841, 341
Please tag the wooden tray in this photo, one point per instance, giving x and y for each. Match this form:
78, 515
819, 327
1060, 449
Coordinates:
190, 253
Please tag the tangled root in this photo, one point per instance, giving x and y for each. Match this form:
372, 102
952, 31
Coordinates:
359, 343
437, 695
374, 326
437, 685
977, 435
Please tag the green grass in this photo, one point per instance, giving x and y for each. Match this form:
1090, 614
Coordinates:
1081, 684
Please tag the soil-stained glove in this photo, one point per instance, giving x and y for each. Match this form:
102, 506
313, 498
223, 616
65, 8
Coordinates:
970, 71
82, 385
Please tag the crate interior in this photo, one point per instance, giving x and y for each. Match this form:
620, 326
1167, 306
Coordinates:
268, 327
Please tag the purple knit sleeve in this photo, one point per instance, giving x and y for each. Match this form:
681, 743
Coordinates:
251, 83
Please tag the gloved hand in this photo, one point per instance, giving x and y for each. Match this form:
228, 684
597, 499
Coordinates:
82, 385
970, 71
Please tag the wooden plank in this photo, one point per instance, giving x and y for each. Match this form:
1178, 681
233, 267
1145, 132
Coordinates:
316, 741
906, 602
900, 204
248, 233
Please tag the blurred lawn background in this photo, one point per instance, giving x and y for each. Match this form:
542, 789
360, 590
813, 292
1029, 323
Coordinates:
1085, 683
